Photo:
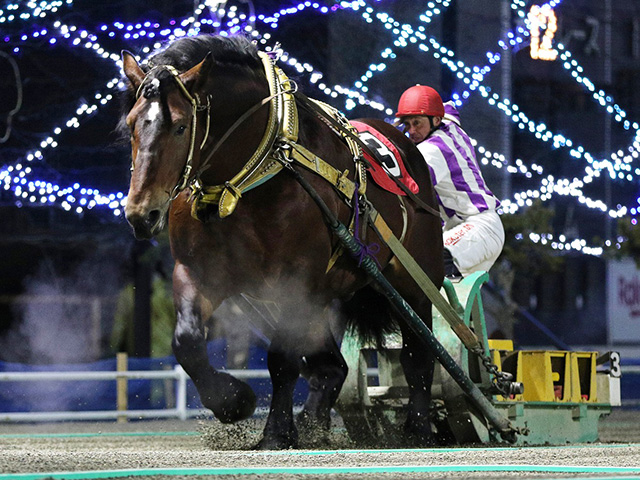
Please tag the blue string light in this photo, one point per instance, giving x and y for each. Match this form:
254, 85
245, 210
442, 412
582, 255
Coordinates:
15, 177
30, 10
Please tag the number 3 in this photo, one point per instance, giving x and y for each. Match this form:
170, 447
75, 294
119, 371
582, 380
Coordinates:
614, 361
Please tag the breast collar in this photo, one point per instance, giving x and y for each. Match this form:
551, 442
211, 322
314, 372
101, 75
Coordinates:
282, 126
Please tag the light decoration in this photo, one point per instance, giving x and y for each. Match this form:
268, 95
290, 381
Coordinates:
519, 7
539, 130
70, 198
30, 10
542, 18
405, 36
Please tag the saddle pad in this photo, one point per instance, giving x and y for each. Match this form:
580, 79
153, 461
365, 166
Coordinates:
386, 154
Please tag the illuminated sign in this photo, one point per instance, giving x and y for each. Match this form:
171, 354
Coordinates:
623, 300
542, 27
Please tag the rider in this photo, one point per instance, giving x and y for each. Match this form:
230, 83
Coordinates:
472, 230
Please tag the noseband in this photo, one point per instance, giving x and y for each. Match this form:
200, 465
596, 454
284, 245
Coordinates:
196, 106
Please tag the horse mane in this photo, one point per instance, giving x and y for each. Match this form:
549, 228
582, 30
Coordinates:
234, 52
186, 52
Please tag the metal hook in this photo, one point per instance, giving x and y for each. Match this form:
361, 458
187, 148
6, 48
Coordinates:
293, 86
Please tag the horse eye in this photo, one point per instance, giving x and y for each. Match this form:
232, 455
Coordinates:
180, 130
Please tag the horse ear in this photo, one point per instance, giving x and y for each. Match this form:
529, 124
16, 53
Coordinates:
131, 69
196, 76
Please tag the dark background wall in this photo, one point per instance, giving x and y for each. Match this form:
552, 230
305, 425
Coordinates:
93, 254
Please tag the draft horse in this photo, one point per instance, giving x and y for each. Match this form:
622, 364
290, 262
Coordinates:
212, 123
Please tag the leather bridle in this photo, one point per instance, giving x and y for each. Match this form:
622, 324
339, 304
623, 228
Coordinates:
196, 106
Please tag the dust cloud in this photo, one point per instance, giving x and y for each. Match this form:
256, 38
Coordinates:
60, 316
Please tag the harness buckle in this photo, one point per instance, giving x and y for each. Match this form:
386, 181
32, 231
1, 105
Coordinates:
233, 189
282, 152
185, 176
196, 189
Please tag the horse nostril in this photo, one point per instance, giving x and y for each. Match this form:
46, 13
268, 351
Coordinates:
153, 217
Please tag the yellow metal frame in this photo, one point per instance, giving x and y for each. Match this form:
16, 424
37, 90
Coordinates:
549, 376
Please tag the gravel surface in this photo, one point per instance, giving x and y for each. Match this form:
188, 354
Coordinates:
198, 444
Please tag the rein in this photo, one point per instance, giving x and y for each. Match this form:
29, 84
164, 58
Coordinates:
205, 164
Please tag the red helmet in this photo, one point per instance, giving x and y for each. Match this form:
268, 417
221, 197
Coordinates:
420, 100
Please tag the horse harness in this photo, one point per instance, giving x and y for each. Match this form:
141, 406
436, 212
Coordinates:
279, 149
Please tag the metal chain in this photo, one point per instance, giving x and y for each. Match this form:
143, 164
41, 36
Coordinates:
502, 381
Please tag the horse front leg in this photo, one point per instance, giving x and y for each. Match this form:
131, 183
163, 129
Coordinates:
283, 362
228, 398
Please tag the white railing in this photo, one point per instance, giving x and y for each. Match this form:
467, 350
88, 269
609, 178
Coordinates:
178, 374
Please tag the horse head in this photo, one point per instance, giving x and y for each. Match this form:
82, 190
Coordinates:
166, 123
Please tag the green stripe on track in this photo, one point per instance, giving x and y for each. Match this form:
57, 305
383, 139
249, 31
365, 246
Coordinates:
101, 474
97, 434
446, 450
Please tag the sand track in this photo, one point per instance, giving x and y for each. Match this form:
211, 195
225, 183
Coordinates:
199, 449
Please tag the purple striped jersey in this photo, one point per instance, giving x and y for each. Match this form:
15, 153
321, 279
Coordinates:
455, 172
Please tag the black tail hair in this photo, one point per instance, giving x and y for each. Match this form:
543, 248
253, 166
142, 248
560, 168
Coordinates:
368, 312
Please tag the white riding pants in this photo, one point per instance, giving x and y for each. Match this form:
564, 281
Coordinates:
476, 243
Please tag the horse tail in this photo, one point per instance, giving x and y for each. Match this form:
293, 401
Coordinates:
368, 313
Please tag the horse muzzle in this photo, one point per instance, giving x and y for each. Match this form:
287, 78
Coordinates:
146, 224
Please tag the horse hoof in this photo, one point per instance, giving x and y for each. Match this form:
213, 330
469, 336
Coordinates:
419, 433
239, 405
311, 426
232, 400
276, 443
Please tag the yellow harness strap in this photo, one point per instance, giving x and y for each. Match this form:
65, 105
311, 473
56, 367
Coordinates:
355, 149
466, 335
332, 175
280, 138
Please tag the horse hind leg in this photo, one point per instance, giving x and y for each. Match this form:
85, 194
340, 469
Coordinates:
418, 364
228, 398
304, 344
325, 372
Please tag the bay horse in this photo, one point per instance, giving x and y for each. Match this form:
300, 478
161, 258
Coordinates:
199, 112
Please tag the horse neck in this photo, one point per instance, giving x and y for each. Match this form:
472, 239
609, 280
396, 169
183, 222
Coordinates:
230, 99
